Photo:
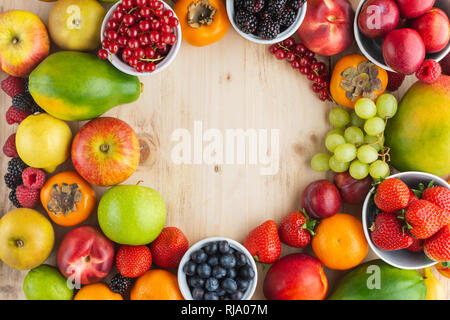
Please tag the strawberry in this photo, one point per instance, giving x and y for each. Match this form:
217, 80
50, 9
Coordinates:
416, 246
412, 197
439, 196
425, 218
392, 195
296, 229
13, 86
168, 249
133, 261
437, 247
263, 242
388, 232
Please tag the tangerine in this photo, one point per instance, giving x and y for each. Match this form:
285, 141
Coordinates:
156, 284
97, 291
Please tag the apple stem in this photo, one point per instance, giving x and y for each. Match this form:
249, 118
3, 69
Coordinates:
15, 40
19, 243
104, 148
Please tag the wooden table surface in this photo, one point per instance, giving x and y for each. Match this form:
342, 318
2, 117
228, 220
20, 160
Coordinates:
232, 84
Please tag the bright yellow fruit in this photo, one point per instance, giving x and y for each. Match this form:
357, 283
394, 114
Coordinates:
435, 290
43, 141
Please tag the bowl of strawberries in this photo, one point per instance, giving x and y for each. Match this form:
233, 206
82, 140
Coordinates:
406, 220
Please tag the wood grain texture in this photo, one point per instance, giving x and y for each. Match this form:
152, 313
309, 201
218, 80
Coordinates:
228, 85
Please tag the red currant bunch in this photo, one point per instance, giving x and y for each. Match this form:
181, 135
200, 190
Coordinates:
304, 60
141, 33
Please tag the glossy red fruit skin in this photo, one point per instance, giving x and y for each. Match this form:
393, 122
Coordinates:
293, 231
352, 191
425, 218
263, 242
416, 246
392, 195
387, 233
439, 196
133, 261
404, 50
387, 15
410, 9
434, 28
85, 255
437, 247
321, 199
169, 247
296, 277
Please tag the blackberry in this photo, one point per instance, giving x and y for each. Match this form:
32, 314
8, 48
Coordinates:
246, 21
12, 181
16, 166
26, 89
13, 199
275, 7
296, 4
253, 6
23, 102
268, 29
120, 284
36, 109
239, 4
287, 17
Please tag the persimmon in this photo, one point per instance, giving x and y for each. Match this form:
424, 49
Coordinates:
202, 22
68, 198
356, 77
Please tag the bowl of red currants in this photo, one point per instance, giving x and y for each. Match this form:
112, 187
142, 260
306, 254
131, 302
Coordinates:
140, 37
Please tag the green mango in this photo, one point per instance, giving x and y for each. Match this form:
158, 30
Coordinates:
394, 283
76, 86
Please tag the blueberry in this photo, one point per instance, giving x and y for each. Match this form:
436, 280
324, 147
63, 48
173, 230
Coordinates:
228, 261
231, 273
224, 246
241, 259
189, 268
196, 282
212, 284
247, 272
198, 293
242, 284
199, 256
204, 270
213, 260
236, 295
218, 272
211, 248
229, 285
211, 296
220, 292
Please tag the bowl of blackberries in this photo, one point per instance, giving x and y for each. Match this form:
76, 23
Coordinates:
217, 268
266, 21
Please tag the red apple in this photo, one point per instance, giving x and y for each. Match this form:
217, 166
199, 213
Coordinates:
404, 50
434, 28
85, 255
445, 64
296, 277
352, 190
24, 42
410, 9
378, 17
321, 199
105, 151
328, 26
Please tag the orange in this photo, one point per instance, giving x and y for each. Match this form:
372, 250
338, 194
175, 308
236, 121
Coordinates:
156, 285
97, 291
339, 242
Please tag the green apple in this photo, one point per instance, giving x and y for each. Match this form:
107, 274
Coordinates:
46, 283
131, 214
26, 238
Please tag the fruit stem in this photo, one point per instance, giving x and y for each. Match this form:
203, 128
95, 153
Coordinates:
104, 148
19, 243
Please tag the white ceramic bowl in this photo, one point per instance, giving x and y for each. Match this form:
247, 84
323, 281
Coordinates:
403, 259
282, 36
372, 48
122, 66
182, 281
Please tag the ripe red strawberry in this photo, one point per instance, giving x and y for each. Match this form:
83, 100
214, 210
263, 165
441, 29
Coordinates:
388, 232
437, 247
133, 261
9, 148
392, 195
27, 197
416, 246
296, 229
13, 86
395, 81
439, 196
412, 197
425, 218
263, 242
168, 249
15, 116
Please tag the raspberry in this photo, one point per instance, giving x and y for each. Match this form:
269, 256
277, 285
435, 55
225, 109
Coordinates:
9, 148
33, 178
15, 116
13, 86
27, 197
429, 71
395, 80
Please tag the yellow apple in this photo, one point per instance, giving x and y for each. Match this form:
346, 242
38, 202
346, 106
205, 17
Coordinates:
24, 42
76, 24
26, 239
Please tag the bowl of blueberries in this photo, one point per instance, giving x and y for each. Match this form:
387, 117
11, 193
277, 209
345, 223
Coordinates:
217, 268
